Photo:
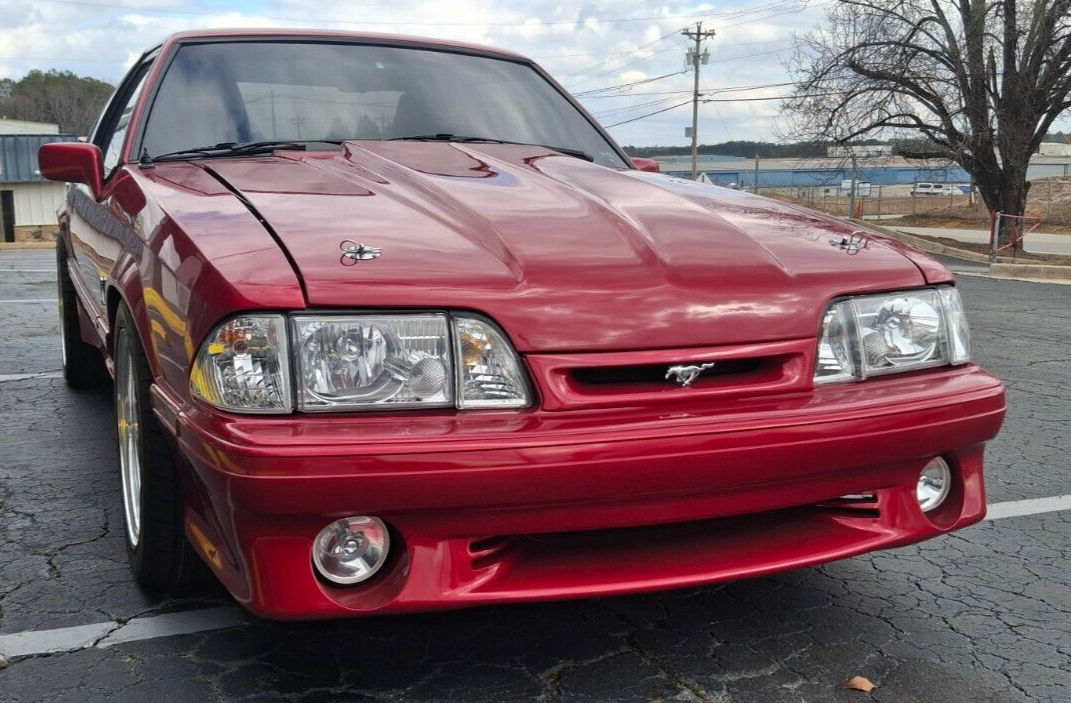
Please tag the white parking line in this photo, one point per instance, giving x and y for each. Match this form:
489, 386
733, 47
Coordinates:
25, 376
28, 300
1032, 506
3, 270
108, 634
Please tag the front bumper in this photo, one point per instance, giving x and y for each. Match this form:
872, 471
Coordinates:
497, 507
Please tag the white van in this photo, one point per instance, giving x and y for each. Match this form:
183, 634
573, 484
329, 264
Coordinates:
931, 189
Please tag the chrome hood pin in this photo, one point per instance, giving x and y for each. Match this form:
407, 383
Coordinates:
353, 251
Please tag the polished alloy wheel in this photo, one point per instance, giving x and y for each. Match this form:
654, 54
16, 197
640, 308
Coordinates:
128, 415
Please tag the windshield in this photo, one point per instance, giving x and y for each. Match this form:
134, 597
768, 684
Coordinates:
308, 91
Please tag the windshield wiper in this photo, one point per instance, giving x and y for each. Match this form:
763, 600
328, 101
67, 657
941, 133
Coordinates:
236, 149
490, 140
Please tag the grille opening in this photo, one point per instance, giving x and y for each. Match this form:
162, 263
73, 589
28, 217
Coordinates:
656, 373
864, 504
489, 551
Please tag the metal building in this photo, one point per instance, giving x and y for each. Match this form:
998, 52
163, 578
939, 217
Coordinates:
28, 202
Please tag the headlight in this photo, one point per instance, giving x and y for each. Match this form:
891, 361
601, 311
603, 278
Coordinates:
871, 335
361, 362
372, 360
244, 365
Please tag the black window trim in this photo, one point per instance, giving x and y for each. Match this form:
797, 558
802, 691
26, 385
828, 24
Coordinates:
110, 118
150, 98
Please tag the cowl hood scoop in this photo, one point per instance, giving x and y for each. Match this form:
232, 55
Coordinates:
565, 254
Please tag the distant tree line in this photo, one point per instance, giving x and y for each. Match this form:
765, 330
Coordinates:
746, 149
58, 97
797, 150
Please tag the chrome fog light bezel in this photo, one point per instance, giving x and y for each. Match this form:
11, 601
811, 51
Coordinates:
936, 471
364, 562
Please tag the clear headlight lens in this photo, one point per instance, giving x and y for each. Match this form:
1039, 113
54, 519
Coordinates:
358, 362
244, 365
372, 361
836, 353
871, 335
489, 372
959, 333
905, 330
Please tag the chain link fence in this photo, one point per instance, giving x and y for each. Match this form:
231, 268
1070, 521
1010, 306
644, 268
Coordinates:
1049, 199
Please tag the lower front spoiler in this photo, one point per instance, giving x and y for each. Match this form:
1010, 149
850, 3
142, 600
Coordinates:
445, 573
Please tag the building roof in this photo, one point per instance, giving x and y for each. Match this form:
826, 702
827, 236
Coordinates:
18, 155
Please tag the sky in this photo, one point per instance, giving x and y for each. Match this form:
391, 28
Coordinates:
592, 46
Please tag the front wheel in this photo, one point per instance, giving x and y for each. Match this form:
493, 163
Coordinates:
153, 508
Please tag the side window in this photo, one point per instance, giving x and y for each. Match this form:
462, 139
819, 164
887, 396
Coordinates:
112, 138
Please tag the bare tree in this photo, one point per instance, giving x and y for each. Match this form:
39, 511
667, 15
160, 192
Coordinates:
978, 82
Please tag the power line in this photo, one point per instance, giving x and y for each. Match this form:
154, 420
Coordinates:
625, 85
631, 108
706, 90
649, 114
793, 5
777, 5
630, 63
608, 61
626, 53
749, 56
629, 95
772, 97
726, 100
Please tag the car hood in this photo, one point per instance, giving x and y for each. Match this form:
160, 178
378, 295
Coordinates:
565, 254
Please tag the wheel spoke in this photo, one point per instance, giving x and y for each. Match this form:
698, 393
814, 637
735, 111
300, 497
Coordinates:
128, 416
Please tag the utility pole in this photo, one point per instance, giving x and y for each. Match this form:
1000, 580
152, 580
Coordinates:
696, 57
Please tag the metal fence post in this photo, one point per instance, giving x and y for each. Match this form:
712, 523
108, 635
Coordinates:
914, 187
994, 226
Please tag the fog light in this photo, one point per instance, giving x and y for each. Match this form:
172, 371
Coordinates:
935, 481
350, 550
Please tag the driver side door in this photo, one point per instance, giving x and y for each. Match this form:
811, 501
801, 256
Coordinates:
96, 227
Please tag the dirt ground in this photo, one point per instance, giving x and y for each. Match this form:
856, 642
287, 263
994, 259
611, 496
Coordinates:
1023, 256
1049, 201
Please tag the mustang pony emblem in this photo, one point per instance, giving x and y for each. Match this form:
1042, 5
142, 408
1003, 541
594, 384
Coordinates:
353, 252
684, 375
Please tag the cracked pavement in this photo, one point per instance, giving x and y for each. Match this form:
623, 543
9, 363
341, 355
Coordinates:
980, 615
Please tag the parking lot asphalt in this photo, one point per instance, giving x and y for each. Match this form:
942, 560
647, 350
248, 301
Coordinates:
980, 615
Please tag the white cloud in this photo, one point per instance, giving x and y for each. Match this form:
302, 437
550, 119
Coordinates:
565, 37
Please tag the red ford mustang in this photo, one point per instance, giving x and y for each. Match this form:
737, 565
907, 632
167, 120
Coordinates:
395, 325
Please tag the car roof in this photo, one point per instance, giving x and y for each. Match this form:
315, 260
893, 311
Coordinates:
365, 37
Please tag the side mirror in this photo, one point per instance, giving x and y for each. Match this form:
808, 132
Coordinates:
73, 162
649, 165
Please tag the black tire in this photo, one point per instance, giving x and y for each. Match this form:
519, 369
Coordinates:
83, 364
161, 558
